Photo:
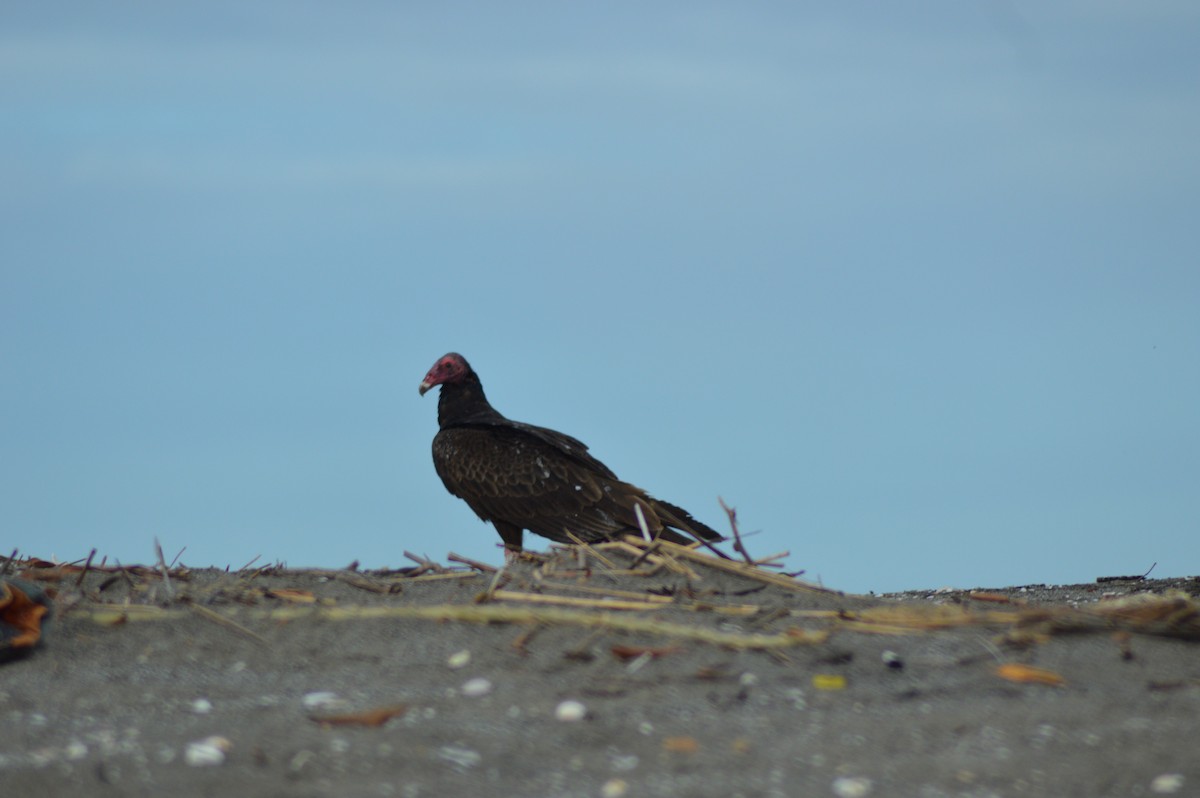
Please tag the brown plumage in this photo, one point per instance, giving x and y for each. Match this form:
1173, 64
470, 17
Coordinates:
520, 477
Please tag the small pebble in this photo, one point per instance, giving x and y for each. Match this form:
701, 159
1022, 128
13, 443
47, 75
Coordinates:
463, 757
614, 788
206, 752
75, 751
1167, 783
892, 660
474, 688
851, 787
298, 762
570, 711
829, 681
624, 763
201, 706
459, 659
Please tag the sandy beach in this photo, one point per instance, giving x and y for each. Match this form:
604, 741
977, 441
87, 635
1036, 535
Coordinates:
601, 673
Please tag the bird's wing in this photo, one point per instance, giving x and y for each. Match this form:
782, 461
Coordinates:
516, 475
567, 446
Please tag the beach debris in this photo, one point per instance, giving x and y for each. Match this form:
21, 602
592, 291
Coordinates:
892, 660
681, 745
424, 564
23, 607
459, 659
207, 752
994, 598
614, 788
370, 718
460, 756
293, 595
829, 681
476, 688
520, 643
201, 706
574, 601
218, 618
300, 760
624, 763
851, 786
1167, 784
475, 564
323, 700
1029, 674
570, 711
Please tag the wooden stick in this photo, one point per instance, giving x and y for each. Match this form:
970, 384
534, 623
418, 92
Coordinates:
425, 563
730, 566
205, 612
573, 601
162, 564
603, 591
476, 564
738, 546
440, 577
761, 561
659, 559
590, 550
86, 566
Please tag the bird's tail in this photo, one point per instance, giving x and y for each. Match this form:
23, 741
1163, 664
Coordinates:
674, 516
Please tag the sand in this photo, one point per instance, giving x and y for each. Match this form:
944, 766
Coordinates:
335, 683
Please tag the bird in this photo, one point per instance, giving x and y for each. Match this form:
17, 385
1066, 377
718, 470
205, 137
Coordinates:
523, 477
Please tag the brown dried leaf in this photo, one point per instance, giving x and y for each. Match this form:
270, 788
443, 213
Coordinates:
1029, 674
995, 598
681, 745
22, 614
370, 717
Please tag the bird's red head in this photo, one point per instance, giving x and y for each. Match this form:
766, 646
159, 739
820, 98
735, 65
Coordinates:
451, 368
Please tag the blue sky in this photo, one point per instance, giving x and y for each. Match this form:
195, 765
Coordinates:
915, 289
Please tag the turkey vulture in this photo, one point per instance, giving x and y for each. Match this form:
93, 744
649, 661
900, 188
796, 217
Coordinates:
520, 477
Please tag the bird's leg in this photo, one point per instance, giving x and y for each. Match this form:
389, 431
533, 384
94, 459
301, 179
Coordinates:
512, 537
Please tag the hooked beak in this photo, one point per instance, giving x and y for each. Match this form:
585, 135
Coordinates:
423, 387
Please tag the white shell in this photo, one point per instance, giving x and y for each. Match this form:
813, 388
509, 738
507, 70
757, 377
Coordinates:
474, 688
570, 711
323, 700
207, 752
